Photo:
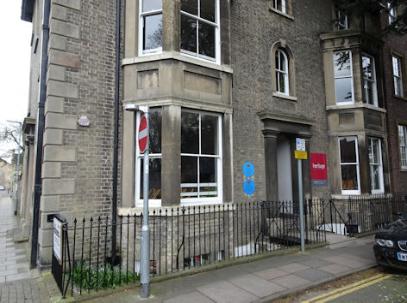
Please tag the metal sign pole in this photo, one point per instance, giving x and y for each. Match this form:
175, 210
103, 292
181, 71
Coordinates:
145, 232
301, 196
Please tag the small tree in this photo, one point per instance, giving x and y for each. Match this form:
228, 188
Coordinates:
10, 135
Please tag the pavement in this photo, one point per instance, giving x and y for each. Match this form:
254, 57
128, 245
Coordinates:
17, 282
259, 281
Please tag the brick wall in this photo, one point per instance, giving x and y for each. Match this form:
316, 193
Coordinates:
254, 30
77, 164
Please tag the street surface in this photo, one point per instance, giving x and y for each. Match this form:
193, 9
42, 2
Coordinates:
17, 283
375, 285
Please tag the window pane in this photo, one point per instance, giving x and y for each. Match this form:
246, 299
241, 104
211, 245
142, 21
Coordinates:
189, 177
349, 177
206, 39
282, 84
348, 150
209, 135
342, 64
151, 5
375, 176
189, 169
374, 151
189, 133
190, 6
207, 177
397, 87
367, 67
155, 131
375, 161
208, 10
188, 33
207, 170
396, 66
369, 93
343, 90
280, 5
154, 178
283, 61
152, 32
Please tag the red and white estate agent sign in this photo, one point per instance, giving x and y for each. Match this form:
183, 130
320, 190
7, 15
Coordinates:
319, 170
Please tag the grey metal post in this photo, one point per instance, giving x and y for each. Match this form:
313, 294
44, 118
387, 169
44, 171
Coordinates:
301, 200
145, 232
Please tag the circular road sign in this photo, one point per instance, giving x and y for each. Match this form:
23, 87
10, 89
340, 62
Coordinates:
143, 134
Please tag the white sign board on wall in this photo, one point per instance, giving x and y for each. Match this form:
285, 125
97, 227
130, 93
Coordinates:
57, 239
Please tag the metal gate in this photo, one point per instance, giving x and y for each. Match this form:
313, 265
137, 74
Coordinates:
60, 253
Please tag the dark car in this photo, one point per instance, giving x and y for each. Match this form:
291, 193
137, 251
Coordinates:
390, 246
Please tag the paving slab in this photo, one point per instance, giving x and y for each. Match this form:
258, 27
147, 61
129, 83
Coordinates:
257, 286
314, 275
226, 292
270, 274
291, 281
193, 297
293, 267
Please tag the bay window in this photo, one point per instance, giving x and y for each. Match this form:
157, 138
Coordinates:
343, 77
200, 34
201, 157
150, 34
376, 165
403, 146
154, 159
369, 80
349, 164
397, 76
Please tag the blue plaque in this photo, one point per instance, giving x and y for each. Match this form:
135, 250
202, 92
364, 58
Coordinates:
248, 169
249, 187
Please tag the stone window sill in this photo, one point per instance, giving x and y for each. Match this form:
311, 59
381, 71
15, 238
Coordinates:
402, 98
272, 9
282, 96
355, 106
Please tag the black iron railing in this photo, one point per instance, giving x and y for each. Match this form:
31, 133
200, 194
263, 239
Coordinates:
363, 214
182, 238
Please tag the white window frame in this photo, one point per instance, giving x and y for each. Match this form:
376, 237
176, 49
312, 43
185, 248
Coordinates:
392, 13
283, 72
341, 26
397, 75
137, 166
284, 6
403, 146
344, 77
373, 81
142, 14
355, 139
216, 24
219, 164
378, 141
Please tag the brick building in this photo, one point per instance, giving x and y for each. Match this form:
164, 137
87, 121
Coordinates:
227, 83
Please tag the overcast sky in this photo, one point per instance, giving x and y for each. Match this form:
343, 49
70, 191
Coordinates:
14, 62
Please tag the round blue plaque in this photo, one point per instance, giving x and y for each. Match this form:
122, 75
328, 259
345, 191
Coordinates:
248, 169
249, 187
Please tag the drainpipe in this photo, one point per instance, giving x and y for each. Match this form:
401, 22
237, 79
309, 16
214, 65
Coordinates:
116, 129
40, 133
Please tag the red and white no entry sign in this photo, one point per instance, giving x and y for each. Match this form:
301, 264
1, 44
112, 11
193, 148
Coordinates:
143, 134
